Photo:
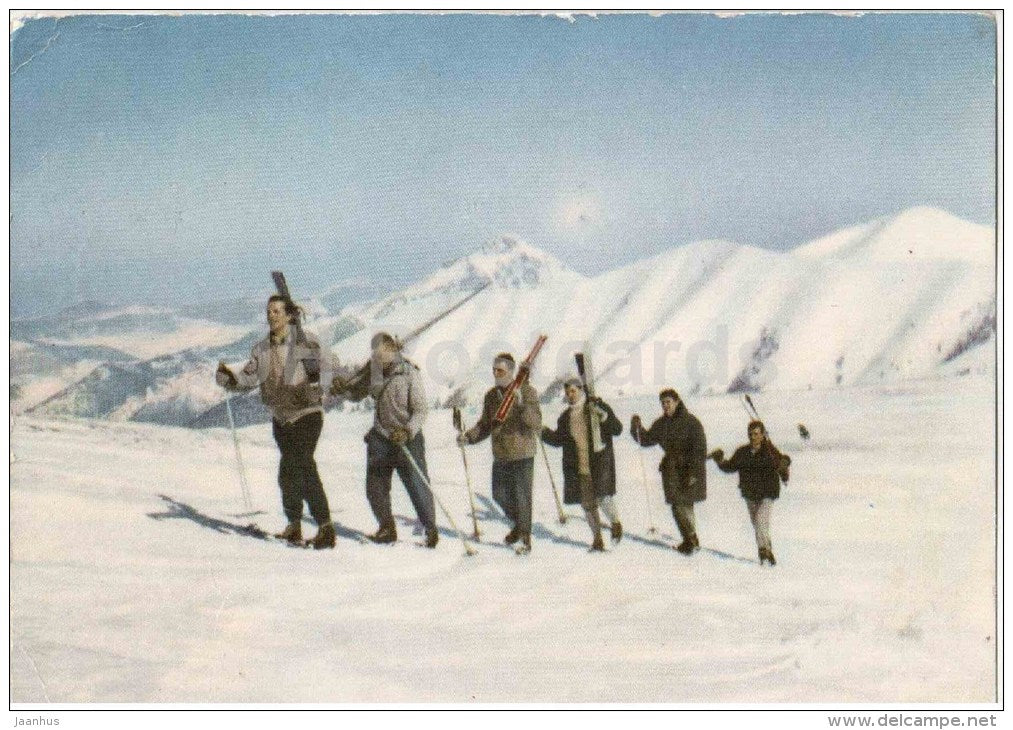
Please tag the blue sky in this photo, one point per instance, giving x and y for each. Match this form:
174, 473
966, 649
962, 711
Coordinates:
156, 159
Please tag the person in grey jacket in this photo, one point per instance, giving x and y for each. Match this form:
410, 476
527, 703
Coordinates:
399, 412
513, 448
288, 373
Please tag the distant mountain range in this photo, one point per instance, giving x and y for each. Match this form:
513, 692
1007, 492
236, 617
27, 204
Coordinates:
908, 296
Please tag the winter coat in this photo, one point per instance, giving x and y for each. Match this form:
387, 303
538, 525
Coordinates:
295, 395
759, 475
515, 438
603, 463
684, 466
399, 399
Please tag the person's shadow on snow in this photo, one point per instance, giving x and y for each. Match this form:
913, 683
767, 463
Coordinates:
180, 511
538, 531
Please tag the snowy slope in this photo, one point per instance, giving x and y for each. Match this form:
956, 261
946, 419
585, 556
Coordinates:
129, 581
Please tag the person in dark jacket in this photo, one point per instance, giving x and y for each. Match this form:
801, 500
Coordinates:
683, 467
761, 469
513, 447
589, 461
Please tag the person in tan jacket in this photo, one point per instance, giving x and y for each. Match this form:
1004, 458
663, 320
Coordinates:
288, 374
513, 448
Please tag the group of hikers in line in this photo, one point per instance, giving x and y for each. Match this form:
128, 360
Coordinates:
287, 370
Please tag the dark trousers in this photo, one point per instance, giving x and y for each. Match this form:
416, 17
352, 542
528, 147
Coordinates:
383, 458
511, 488
297, 472
685, 519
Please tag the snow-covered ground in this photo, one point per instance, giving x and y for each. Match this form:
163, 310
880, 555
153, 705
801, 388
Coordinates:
122, 588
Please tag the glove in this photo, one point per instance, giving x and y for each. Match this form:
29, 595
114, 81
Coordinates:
399, 436
717, 455
224, 376
782, 468
462, 439
338, 385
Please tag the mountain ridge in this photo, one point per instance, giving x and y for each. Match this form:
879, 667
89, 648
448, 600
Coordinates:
709, 317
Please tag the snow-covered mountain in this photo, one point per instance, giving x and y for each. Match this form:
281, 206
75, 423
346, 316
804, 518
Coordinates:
909, 296
899, 298
143, 332
39, 370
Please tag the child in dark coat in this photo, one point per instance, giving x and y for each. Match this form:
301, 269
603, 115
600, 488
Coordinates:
761, 469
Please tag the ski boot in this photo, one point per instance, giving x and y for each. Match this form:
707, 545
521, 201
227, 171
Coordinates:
598, 545
292, 534
525, 544
513, 536
689, 545
386, 534
432, 537
766, 556
617, 532
324, 538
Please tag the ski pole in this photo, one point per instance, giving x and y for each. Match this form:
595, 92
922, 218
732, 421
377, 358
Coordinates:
467, 475
552, 481
651, 529
468, 549
239, 453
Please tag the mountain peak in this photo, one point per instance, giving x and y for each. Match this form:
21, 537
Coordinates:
506, 262
921, 233
502, 245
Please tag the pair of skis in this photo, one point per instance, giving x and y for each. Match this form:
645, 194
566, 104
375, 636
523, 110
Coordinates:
586, 373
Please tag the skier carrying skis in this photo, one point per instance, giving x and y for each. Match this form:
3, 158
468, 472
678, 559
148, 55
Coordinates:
683, 467
589, 475
281, 364
761, 469
400, 410
514, 442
